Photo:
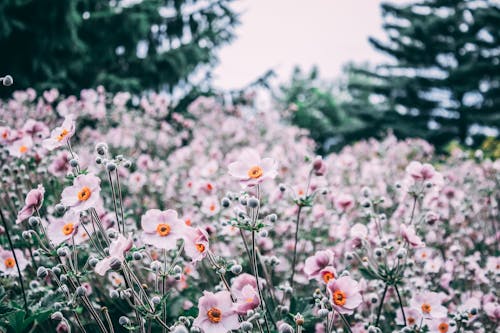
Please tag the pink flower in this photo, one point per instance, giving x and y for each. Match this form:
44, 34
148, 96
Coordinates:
33, 201
419, 171
315, 264
319, 166
196, 244
162, 229
117, 250
83, 194
412, 315
344, 293
246, 299
441, 325
60, 135
244, 288
65, 228
216, 313
251, 170
8, 262
409, 235
429, 305
344, 202
210, 206
21, 147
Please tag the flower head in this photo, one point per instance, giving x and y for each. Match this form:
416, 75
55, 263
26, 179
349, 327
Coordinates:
216, 313
429, 305
60, 135
196, 244
33, 201
344, 294
315, 264
409, 235
117, 250
251, 170
162, 229
8, 261
65, 228
244, 288
83, 194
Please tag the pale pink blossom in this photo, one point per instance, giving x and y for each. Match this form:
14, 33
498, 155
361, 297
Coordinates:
162, 229
117, 250
344, 294
216, 313
251, 170
60, 135
83, 194
409, 235
33, 202
8, 262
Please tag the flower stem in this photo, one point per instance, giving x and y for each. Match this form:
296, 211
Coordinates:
294, 260
15, 259
400, 304
381, 304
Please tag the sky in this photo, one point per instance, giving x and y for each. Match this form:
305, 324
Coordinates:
279, 34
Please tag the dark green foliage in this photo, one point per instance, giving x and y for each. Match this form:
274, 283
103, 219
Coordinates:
312, 106
75, 44
445, 75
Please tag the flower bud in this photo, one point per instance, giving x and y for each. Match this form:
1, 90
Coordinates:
73, 163
236, 269
137, 256
101, 148
7, 80
253, 202
114, 294
110, 166
81, 291
41, 272
57, 316
246, 326
33, 221
285, 328
123, 321
273, 217
225, 202
156, 300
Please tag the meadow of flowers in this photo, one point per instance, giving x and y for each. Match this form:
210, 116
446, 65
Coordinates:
120, 215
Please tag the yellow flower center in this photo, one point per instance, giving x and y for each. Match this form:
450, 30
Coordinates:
212, 207
411, 321
5, 135
68, 228
426, 308
63, 134
327, 276
23, 149
255, 172
443, 328
84, 194
10, 262
214, 315
200, 247
163, 229
339, 298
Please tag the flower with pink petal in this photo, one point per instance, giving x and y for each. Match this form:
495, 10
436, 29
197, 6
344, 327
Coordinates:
251, 170
83, 194
21, 147
65, 228
429, 305
162, 229
216, 313
441, 325
344, 202
8, 262
196, 245
60, 135
412, 316
244, 288
117, 250
33, 202
419, 171
410, 236
344, 294
315, 264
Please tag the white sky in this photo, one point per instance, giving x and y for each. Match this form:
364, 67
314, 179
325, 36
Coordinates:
279, 34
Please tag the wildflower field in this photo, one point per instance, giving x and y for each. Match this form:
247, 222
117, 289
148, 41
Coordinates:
119, 215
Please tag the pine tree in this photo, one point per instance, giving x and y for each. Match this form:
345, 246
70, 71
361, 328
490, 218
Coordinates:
127, 45
444, 82
313, 105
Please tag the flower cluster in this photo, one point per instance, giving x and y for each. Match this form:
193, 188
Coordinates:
119, 214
